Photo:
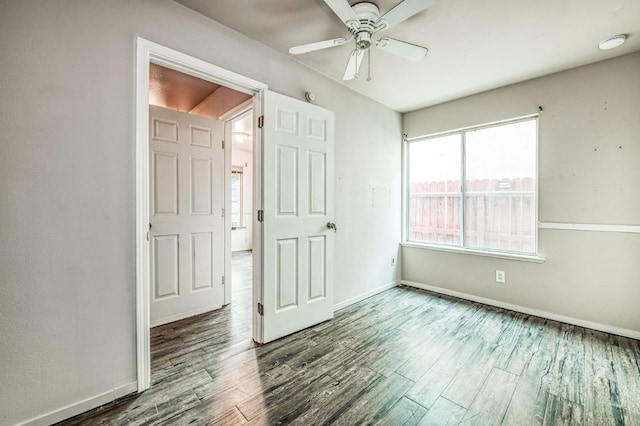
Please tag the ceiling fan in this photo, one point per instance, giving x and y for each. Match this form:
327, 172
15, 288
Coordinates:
363, 20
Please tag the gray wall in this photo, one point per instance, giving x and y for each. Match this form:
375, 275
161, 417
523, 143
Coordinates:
589, 172
67, 308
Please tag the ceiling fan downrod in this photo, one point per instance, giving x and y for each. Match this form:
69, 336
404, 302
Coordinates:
369, 65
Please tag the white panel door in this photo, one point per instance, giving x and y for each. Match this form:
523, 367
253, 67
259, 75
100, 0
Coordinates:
298, 206
186, 224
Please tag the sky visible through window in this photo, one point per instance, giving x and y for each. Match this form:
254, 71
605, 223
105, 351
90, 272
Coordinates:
492, 153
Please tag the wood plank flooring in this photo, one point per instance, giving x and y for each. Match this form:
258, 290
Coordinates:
403, 357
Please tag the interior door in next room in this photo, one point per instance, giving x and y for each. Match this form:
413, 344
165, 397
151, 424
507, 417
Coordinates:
186, 227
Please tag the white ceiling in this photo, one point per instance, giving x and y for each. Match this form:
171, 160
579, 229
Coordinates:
473, 45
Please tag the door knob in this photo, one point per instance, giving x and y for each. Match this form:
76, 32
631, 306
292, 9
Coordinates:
333, 226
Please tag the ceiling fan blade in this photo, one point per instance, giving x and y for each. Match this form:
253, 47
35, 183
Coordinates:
354, 64
318, 45
403, 49
403, 10
342, 8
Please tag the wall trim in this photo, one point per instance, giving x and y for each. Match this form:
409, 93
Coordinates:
633, 334
368, 294
634, 229
82, 406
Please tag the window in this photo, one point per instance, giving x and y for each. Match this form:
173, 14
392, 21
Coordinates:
236, 197
475, 188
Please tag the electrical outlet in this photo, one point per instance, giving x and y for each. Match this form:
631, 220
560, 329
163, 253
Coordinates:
501, 277
393, 261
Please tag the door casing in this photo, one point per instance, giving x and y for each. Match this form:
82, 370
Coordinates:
148, 52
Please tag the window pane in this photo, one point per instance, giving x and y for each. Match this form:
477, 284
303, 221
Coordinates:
236, 199
500, 205
434, 190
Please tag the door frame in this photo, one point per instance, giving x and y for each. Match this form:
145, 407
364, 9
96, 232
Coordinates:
150, 52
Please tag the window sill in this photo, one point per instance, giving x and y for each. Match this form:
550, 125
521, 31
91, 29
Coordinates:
509, 256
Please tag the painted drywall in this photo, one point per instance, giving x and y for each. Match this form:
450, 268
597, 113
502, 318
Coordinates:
589, 170
67, 313
241, 237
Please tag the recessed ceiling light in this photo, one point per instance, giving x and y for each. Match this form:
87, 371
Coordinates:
612, 42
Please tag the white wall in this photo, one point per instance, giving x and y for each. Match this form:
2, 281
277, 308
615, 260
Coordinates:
241, 238
589, 172
67, 325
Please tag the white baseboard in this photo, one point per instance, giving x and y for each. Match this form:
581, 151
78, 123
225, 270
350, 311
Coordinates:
366, 295
125, 390
82, 406
173, 318
633, 334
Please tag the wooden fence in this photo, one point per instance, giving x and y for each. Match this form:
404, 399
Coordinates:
499, 214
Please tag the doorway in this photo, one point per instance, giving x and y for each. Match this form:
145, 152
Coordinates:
149, 54
187, 126
239, 130
293, 229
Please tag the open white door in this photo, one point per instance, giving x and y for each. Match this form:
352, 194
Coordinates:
298, 207
186, 227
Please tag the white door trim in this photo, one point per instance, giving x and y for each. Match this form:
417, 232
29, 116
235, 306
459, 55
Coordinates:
147, 52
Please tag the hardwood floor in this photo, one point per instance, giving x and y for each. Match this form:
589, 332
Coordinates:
403, 357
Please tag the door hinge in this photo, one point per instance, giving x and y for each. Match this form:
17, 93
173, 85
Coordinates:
260, 308
261, 122
222, 142
222, 212
260, 215
222, 280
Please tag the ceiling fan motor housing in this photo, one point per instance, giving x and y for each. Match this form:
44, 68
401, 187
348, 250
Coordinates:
368, 14
366, 11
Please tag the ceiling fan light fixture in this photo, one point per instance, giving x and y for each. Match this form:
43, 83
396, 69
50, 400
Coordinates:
612, 42
363, 40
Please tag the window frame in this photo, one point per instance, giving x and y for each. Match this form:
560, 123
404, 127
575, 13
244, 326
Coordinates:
461, 248
237, 170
